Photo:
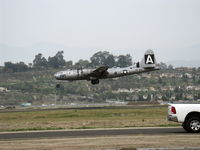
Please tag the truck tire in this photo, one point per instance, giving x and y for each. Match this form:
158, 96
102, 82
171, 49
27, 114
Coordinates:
193, 124
185, 127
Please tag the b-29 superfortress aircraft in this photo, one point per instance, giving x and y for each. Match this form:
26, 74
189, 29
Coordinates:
147, 64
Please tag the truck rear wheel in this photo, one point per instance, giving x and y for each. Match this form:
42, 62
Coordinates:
185, 127
193, 124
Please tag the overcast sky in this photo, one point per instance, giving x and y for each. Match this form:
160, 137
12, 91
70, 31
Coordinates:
83, 27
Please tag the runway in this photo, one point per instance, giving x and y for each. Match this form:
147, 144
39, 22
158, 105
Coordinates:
89, 133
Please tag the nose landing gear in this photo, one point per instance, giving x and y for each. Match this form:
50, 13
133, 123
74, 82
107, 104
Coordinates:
96, 81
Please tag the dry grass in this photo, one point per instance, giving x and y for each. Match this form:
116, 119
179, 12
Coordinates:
80, 119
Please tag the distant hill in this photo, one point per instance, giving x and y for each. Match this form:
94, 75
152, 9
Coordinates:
181, 57
184, 63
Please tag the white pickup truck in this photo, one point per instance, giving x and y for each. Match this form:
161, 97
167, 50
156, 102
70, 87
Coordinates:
187, 114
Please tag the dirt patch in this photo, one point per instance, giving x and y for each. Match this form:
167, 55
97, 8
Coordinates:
102, 143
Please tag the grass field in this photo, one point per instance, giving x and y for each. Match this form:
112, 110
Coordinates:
85, 119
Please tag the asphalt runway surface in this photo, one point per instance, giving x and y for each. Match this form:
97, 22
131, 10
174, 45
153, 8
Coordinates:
89, 133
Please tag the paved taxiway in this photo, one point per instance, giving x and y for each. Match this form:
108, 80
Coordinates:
89, 133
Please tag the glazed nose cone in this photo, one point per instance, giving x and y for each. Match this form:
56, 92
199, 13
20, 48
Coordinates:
57, 75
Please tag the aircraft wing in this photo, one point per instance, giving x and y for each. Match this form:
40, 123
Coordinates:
99, 71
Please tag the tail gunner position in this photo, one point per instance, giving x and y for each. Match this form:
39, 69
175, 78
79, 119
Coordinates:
147, 64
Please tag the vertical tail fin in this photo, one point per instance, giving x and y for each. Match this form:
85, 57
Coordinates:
149, 61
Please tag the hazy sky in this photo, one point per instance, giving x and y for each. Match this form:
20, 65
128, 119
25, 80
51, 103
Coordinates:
82, 27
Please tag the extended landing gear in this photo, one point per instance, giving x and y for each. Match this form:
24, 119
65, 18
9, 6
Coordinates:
58, 86
96, 81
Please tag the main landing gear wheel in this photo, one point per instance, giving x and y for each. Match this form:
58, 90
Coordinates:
58, 86
95, 81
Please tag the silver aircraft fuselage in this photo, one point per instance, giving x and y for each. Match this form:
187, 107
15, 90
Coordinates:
147, 64
84, 74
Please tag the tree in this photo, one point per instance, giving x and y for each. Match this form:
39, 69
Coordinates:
68, 64
99, 58
170, 67
124, 60
82, 64
103, 58
8, 67
18, 67
110, 61
53, 62
162, 65
21, 67
1, 69
57, 61
39, 61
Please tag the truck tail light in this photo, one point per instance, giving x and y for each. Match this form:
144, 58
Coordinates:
173, 110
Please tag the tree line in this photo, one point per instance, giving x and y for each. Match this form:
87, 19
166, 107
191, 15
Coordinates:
40, 62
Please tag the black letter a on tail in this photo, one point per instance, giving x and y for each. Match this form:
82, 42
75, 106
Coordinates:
149, 59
